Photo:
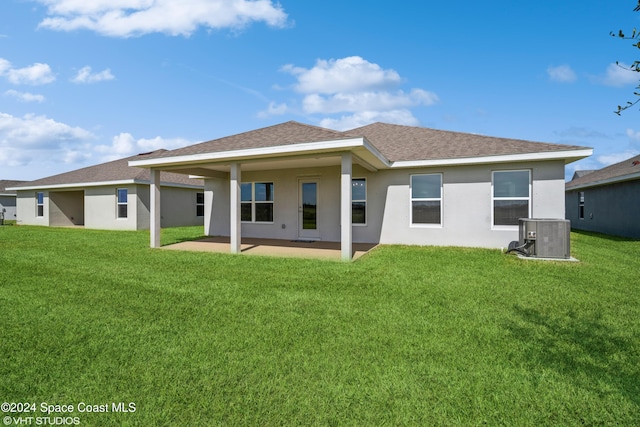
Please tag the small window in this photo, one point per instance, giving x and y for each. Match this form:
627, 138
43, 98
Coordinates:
511, 196
39, 204
256, 201
359, 201
426, 199
199, 204
581, 205
122, 202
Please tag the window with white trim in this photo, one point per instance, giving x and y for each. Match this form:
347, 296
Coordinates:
359, 201
39, 204
511, 196
122, 196
256, 201
426, 199
199, 204
580, 204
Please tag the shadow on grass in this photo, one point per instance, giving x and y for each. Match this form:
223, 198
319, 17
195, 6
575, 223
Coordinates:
583, 350
604, 236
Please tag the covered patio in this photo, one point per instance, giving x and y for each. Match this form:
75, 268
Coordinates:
309, 154
274, 247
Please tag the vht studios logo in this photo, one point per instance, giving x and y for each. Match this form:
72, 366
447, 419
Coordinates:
123, 407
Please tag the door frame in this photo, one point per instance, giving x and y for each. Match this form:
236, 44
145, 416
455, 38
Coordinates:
306, 233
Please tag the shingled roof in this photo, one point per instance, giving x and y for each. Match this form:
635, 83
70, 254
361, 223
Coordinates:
622, 171
287, 133
117, 170
406, 143
5, 183
394, 142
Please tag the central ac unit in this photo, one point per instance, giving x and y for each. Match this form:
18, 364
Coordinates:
543, 238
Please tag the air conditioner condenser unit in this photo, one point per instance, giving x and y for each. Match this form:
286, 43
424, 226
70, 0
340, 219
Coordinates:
543, 238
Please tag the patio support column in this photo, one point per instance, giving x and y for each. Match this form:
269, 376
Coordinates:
346, 243
154, 214
234, 206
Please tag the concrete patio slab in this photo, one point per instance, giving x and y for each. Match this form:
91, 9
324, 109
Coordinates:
274, 247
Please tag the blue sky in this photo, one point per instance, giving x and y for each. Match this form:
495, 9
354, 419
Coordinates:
86, 81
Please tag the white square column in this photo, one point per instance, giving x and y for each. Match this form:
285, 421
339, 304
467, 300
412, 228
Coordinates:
234, 208
154, 214
346, 243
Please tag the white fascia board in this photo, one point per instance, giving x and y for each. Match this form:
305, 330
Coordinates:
612, 180
74, 185
278, 150
506, 158
80, 185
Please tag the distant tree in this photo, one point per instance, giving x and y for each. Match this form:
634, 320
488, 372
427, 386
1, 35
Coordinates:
635, 66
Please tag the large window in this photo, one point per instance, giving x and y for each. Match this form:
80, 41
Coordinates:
40, 204
581, 205
511, 196
256, 201
199, 204
426, 199
359, 201
122, 194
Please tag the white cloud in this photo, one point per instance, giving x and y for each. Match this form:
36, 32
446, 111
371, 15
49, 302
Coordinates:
620, 75
363, 92
125, 145
342, 75
86, 76
4, 66
31, 138
400, 117
24, 96
36, 74
126, 18
561, 74
612, 158
633, 135
274, 109
366, 101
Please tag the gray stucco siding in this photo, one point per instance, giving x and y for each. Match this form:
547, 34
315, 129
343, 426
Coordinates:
26, 209
610, 209
8, 203
466, 204
96, 207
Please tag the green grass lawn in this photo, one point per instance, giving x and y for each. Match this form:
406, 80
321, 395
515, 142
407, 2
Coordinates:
404, 336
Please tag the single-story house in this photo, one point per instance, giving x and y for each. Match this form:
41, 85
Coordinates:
606, 200
8, 199
109, 196
380, 183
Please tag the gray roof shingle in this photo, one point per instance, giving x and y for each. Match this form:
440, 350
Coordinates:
287, 133
395, 142
117, 170
406, 143
618, 171
6, 183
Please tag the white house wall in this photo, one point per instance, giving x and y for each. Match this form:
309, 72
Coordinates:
285, 211
467, 204
8, 204
26, 208
100, 207
177, 207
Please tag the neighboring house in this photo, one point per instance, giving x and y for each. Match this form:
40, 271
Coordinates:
110, 196
607, 200
8, 199
380, 183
